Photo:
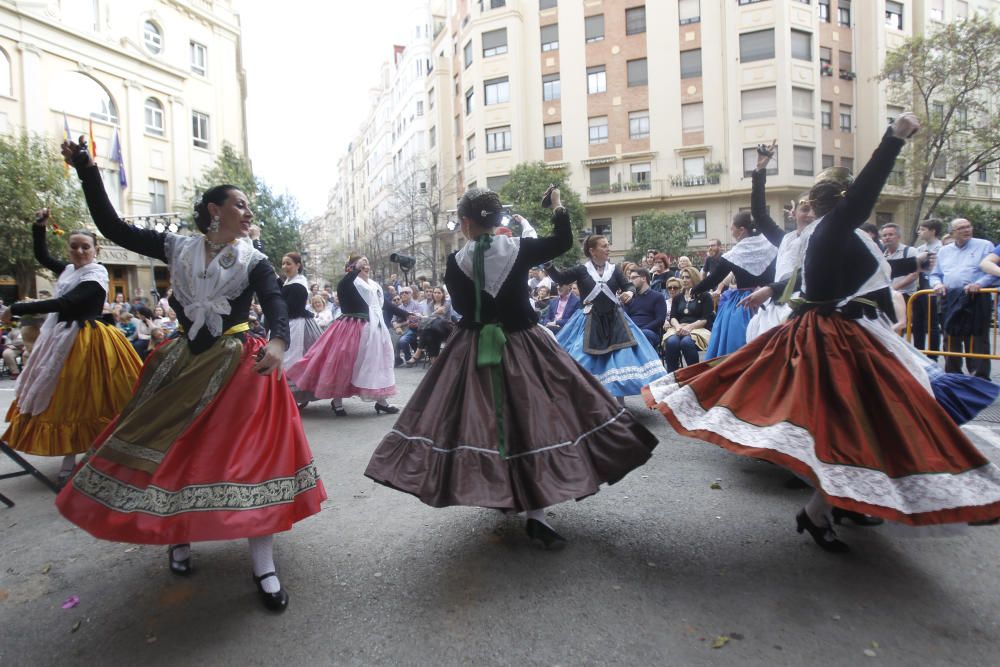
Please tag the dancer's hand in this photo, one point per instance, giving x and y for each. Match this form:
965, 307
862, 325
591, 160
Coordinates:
270, 361
42, 217
905, 125
70, 148
765, 153
625, 297
254, 232
757, 297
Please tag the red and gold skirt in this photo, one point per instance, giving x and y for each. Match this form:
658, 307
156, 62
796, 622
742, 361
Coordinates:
825, 399
207, 449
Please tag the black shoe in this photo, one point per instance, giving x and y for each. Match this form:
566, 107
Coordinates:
823, 536
537, 530
387, 409
340, 412
794, 483
857, 518
302, 405
180, 567
273, 601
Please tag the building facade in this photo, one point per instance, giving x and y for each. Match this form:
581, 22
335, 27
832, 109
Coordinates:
165, 76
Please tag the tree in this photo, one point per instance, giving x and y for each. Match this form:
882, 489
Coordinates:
523, 193
985, 221
32, 176
667, 232
277, 215
948, 76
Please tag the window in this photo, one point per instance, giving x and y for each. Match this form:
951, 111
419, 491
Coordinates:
802, 160
199, 129
802, 102
823, 10
940, 169
497, 91
456, 84
420, 107
936, 10
961, 9
848, 163
551, 88
827, 161
602, 226
157, 196
826, 61
750, 162
635, 20
826, 115
594, 26
802, 45
600, 176
547, 4
458, 125
553, 135
982, 176
757, 45
694, 167
470, 148
5, 84
846, 64
432, 137
154, 116
844, 13
498, 139
637, 72
693, 117
638, 125
199, 58
689, 11
598, 128
597, 81
550, 37
82, 96
640, 172
691, 64
846, 122
468, 100
493, 4
430, 99
467, 53
699, 224
894, 14
759, 103
494, 42
494, 183
152, 37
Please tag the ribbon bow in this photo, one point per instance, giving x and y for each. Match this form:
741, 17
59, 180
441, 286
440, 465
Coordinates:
490, 340
207, 313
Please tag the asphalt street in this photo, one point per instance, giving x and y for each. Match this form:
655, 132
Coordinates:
661, 569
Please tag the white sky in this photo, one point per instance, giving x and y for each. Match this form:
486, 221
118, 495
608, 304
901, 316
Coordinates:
310, 65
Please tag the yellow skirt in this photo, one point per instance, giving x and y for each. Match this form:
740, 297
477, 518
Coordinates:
94, 385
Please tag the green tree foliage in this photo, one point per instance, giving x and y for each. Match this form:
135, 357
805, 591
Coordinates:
33, 176
277, 215
523, 193
949, 78
667, 232
985, 221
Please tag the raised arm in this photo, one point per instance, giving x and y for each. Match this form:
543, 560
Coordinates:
546, 248
76, 303
41, 248
143, 241
564, 276
718, 274
758, 200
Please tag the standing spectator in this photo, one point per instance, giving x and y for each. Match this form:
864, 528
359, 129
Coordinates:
164, 301
561, 309
712, 257
649, 258
323, 315
903, 282
966, 314
13, 347
926, 307
648, 309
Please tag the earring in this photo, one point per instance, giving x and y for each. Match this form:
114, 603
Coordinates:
214, 227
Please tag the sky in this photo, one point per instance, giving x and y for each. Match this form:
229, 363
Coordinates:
310, 66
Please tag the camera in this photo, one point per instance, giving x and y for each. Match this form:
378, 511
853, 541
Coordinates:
405, 262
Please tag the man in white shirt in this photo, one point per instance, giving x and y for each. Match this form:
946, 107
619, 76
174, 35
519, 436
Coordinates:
925, 309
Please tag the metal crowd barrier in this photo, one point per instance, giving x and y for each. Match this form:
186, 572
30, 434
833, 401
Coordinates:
946, 339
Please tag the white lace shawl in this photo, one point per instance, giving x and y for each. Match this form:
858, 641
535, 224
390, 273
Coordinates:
499, 260
753, 254
205, 292
299, 279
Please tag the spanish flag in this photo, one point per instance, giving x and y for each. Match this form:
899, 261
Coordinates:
93, 144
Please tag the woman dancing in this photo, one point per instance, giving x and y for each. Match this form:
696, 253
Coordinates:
302, 327
81, 371
600, 336
354, 355
505, 419
211, 446
832, 395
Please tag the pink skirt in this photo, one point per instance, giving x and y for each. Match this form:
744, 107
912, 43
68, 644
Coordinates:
328, 369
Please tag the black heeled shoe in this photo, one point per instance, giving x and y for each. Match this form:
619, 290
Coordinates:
822, 535
340, 412
550, 539
274, 601
857, 518
387, 409
180, 567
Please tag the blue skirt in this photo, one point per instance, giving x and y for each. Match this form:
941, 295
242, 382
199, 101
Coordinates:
623, 372
962, 396
729, 333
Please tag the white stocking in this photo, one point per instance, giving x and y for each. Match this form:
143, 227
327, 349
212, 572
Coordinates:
262, 556
68, 463
537, 515
817, 509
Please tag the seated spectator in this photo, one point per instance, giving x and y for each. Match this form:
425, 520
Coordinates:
562, 308
156, 336
673, 286
324, 315
689, 314
408, 329
143, 321
683, 262
126, 325
434, 327
647, 308
13, 349
541, 300
658, 275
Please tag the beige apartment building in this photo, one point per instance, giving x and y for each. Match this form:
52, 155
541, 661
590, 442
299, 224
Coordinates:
661, 104
166, 76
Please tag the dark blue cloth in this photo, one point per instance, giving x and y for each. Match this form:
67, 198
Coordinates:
648, 310
572, 304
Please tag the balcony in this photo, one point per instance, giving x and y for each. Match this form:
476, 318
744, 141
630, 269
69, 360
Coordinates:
694, 181
847, 75
613, 188
826, 69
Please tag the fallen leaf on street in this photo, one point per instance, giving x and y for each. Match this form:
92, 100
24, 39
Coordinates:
720, 641
870, 653
71, 602
47, 568
150, 639
76, 626
715, 486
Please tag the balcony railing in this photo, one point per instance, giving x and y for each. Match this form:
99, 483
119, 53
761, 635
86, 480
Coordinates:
694, 181
611, 188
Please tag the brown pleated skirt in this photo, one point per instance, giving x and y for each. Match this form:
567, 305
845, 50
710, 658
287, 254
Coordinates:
564, 435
